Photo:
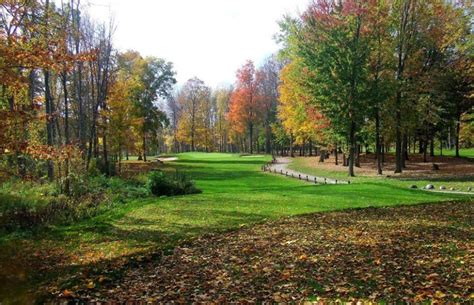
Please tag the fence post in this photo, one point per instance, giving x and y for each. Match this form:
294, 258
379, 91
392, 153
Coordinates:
299, 176
307, 179
315, 180
325, 182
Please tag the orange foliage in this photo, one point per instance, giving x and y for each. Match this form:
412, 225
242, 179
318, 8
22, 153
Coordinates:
247, 103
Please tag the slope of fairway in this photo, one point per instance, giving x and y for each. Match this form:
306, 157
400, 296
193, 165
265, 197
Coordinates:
235, 193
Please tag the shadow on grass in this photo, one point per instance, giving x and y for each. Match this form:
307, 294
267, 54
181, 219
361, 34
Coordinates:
400, 249
36, 271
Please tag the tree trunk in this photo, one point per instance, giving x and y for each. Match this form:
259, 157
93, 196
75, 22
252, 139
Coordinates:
357, 155
322, 156
336, 154
49, 103
449, 138
144, 146
425, 146
66, 131
398, 135
377, 142
251, 137
268, 138
432, 147
458, 131
404, 149
49, 121
351, 149
291, 146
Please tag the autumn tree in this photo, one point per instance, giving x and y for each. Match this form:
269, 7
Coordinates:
59, 68
333, 43
122, 116
380, 75
298, 115
246, 105
158, 81
222, 97
193, 100
269, 80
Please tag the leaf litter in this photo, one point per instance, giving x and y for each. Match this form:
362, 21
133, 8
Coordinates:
409, 254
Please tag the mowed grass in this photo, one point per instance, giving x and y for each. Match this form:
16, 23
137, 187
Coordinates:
235, 193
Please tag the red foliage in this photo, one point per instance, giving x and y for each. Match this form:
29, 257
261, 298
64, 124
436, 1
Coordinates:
247, 103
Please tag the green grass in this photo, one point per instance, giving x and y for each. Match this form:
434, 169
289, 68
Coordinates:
16, 194
463, 152
235, 193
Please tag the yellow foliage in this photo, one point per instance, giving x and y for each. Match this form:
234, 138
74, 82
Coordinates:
296, 110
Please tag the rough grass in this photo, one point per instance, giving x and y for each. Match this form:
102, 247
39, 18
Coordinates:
235, 193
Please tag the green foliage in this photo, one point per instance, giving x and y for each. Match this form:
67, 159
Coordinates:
161, 184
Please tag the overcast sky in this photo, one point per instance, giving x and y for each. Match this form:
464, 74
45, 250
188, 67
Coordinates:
209, 39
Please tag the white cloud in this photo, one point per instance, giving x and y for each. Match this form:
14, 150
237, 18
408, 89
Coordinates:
209, 39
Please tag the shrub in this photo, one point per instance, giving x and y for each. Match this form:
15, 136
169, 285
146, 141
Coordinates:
28, 205
160, 184
184, 185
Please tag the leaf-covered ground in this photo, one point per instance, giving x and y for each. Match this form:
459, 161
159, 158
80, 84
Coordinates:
410, 253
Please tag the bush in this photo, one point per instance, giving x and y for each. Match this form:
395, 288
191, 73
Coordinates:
28, 205
160, 184
184, 185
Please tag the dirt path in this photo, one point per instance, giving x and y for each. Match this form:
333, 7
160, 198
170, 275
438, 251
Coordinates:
281, 167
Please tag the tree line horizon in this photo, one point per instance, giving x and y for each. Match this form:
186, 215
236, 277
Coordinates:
350, 74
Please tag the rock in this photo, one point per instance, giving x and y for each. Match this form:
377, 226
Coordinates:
442, 187
429, 187
413, 186
451, 188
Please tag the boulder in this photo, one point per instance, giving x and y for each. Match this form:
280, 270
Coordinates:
429, 187
451, 188
442, 187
